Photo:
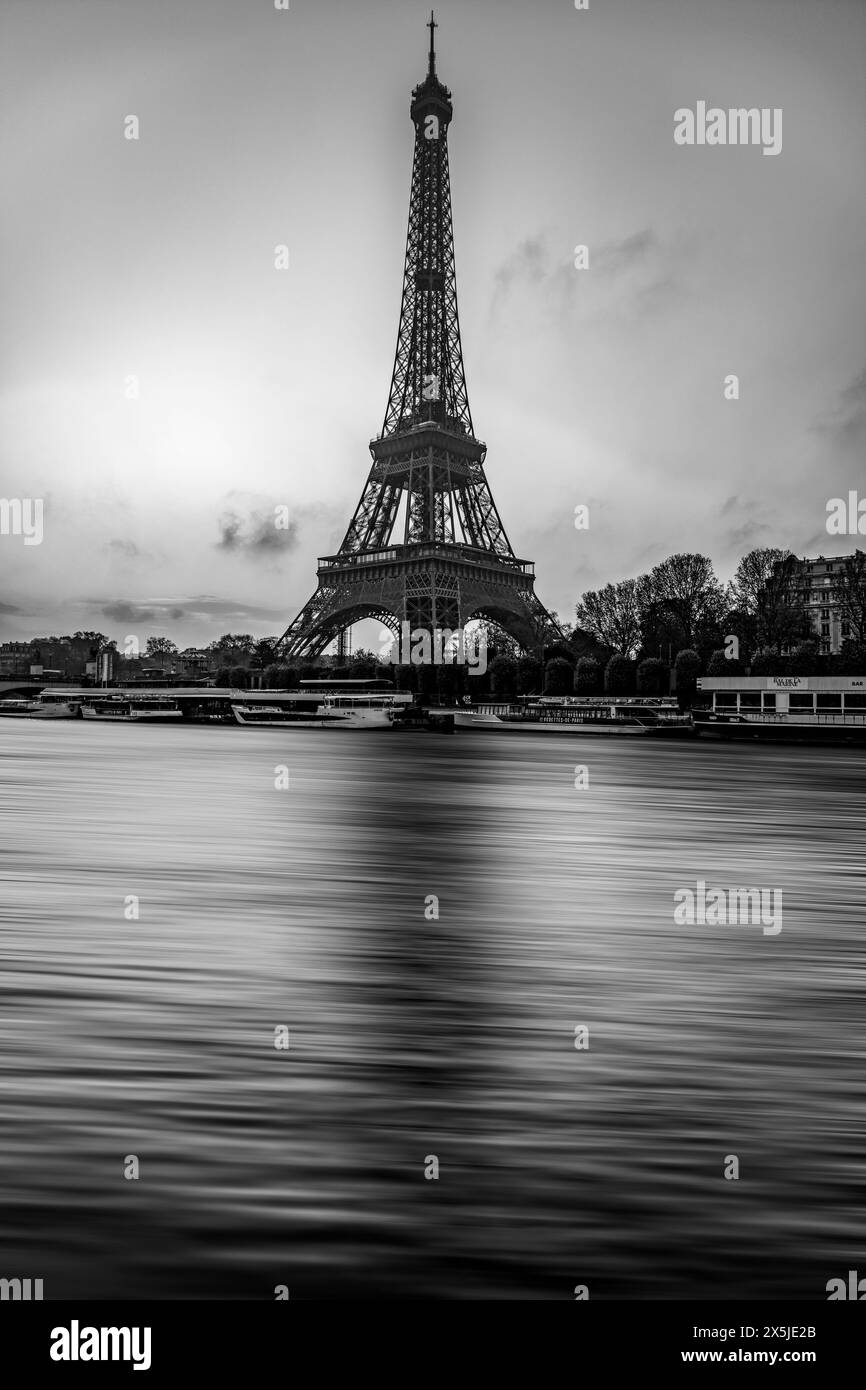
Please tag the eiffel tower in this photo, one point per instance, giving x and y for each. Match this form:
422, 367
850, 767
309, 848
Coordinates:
442, 557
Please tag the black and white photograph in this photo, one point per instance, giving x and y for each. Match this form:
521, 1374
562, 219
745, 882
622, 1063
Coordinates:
433, 669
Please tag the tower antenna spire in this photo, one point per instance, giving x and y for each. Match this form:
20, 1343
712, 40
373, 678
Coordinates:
431, 26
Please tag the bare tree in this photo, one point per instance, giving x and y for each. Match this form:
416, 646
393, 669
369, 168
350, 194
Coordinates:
237, 641
753, 571
612, 615
782, 614
850, 585
686, 586
160, 646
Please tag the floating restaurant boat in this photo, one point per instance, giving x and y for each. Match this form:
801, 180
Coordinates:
306, 710
611, 715
131, 710
801, 709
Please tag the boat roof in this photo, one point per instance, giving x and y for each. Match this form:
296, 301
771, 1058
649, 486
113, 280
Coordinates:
198, 693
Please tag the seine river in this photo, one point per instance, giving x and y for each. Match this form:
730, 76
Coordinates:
169, 914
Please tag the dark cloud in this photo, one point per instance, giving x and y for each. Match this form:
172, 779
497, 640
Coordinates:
854, 395
256, 533
638, 273
10, 608
121, 612
230, 529
613, 257
814, 545
847, 419
746, 534
200, 607
532, 261
126, 550
746, 525
529, 262
208, 606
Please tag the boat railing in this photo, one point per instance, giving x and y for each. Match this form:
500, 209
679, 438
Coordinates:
796, 716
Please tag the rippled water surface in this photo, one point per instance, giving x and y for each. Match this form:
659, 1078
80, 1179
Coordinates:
412, 1037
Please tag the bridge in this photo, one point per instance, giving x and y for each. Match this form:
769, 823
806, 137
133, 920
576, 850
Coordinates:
25, 685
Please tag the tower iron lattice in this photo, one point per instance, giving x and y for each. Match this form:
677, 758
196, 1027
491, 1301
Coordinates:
426, 545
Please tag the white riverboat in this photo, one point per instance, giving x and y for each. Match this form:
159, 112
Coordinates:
326, 711
131, 711
804, 709
35, 709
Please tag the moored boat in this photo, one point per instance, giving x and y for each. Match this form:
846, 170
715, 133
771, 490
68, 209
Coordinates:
784, 709
35, 709
116, 710
618, 716
331, 711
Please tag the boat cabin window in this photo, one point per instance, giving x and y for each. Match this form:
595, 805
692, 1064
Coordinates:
854, 700
828, 700
801, 699
726, 699
750, 699
769, 699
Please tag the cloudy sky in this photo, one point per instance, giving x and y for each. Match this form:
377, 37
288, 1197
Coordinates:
154, 259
